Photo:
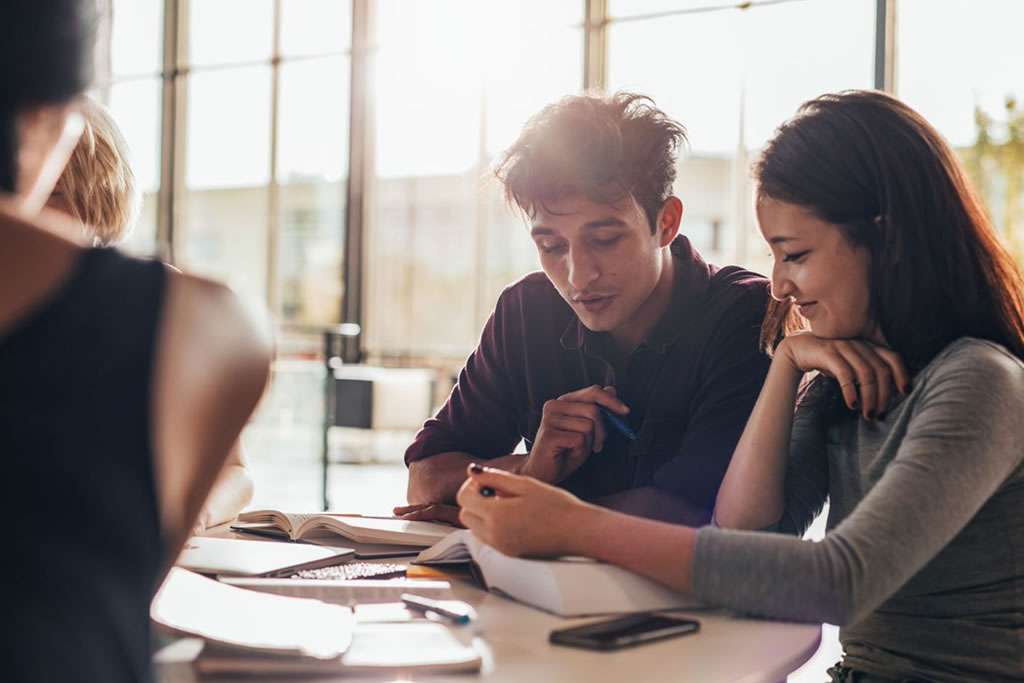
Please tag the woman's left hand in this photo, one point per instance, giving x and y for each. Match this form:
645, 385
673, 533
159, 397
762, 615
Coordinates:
524, 516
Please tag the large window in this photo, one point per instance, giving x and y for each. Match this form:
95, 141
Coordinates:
265, 133
257, 110
961, 64
454, 82
129, 83
731, 75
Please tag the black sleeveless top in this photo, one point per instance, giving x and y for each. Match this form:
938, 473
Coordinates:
81, 546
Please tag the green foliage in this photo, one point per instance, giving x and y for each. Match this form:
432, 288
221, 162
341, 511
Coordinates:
996, 165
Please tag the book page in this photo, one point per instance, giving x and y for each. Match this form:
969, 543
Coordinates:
375, 530
360, 591
192, 604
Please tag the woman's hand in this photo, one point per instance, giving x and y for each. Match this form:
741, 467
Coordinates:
519, 515
866, 372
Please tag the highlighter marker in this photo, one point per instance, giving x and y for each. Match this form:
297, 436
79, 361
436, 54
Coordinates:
617, 422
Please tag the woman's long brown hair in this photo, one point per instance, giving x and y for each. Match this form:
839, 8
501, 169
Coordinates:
872, 166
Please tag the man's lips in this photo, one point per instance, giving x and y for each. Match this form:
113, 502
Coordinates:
593, 303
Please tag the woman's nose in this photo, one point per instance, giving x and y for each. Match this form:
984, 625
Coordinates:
780, 288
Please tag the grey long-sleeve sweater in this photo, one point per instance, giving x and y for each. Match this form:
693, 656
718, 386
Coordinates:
923, 562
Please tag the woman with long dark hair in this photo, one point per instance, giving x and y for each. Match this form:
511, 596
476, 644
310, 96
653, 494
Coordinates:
908, 421
123, 385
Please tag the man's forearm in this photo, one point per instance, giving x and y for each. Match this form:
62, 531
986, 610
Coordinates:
656, 503
437, 479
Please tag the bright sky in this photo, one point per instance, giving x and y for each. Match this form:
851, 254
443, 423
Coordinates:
455, 79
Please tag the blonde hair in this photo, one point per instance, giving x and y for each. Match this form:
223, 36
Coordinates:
98, 184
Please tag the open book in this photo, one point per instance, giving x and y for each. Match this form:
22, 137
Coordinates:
299, 526
568, 587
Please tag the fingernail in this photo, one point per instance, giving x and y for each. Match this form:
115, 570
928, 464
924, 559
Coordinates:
477, 468
853, 405
487, 492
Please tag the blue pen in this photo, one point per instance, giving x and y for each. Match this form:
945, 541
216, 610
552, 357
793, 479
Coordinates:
617, 422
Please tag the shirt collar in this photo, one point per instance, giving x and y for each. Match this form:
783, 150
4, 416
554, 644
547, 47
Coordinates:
689, 288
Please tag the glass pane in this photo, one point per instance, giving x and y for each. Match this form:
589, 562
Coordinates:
731, 76
312, 166
135, 106
439, 239
222, 221
136, 37
973, 94
222, 233
230, 31
227, 137
313, 116
142, 239
310, 27
945, 84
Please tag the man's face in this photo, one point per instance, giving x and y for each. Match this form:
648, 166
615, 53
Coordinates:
603, 259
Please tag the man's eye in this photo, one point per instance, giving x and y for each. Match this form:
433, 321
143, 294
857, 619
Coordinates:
549, 248
608, 242
795, 258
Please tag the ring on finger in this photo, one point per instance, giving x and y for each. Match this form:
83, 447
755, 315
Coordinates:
846, 384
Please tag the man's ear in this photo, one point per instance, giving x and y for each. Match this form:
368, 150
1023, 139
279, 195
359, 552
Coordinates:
667, 225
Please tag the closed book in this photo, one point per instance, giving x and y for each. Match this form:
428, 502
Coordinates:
567, 586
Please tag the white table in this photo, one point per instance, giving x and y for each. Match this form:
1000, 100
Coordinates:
727, 650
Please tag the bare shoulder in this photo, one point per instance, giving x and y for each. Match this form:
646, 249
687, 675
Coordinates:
217, 329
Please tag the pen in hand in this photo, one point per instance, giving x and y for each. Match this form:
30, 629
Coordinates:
618, 423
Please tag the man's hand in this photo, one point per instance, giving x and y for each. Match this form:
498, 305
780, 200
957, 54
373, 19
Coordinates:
570, 430
429, 512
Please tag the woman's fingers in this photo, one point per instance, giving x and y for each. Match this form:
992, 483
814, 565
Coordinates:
871, 384
900, 375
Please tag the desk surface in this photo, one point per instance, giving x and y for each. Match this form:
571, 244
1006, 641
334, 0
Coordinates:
727, 649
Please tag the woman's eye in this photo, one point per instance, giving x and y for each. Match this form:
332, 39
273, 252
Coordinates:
795, 258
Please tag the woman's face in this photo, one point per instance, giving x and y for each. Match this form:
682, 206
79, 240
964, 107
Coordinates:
818, 268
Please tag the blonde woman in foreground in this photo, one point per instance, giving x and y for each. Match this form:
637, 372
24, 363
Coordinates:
98, 189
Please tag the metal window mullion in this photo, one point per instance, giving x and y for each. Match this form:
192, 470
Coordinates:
885, 45
595, 44
359, 170
170, 145
273, 189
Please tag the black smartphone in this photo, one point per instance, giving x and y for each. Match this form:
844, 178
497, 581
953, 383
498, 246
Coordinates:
620, 632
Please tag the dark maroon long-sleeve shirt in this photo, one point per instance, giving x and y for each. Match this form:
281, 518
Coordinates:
690, 385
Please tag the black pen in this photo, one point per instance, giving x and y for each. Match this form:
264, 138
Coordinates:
423, 605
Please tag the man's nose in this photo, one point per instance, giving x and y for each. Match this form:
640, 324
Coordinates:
582, 268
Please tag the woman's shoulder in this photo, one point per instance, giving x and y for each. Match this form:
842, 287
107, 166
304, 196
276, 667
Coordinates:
976, 365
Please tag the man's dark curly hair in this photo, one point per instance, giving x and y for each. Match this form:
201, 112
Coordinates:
601, 147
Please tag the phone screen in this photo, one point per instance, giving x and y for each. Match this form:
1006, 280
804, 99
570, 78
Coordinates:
624, 631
